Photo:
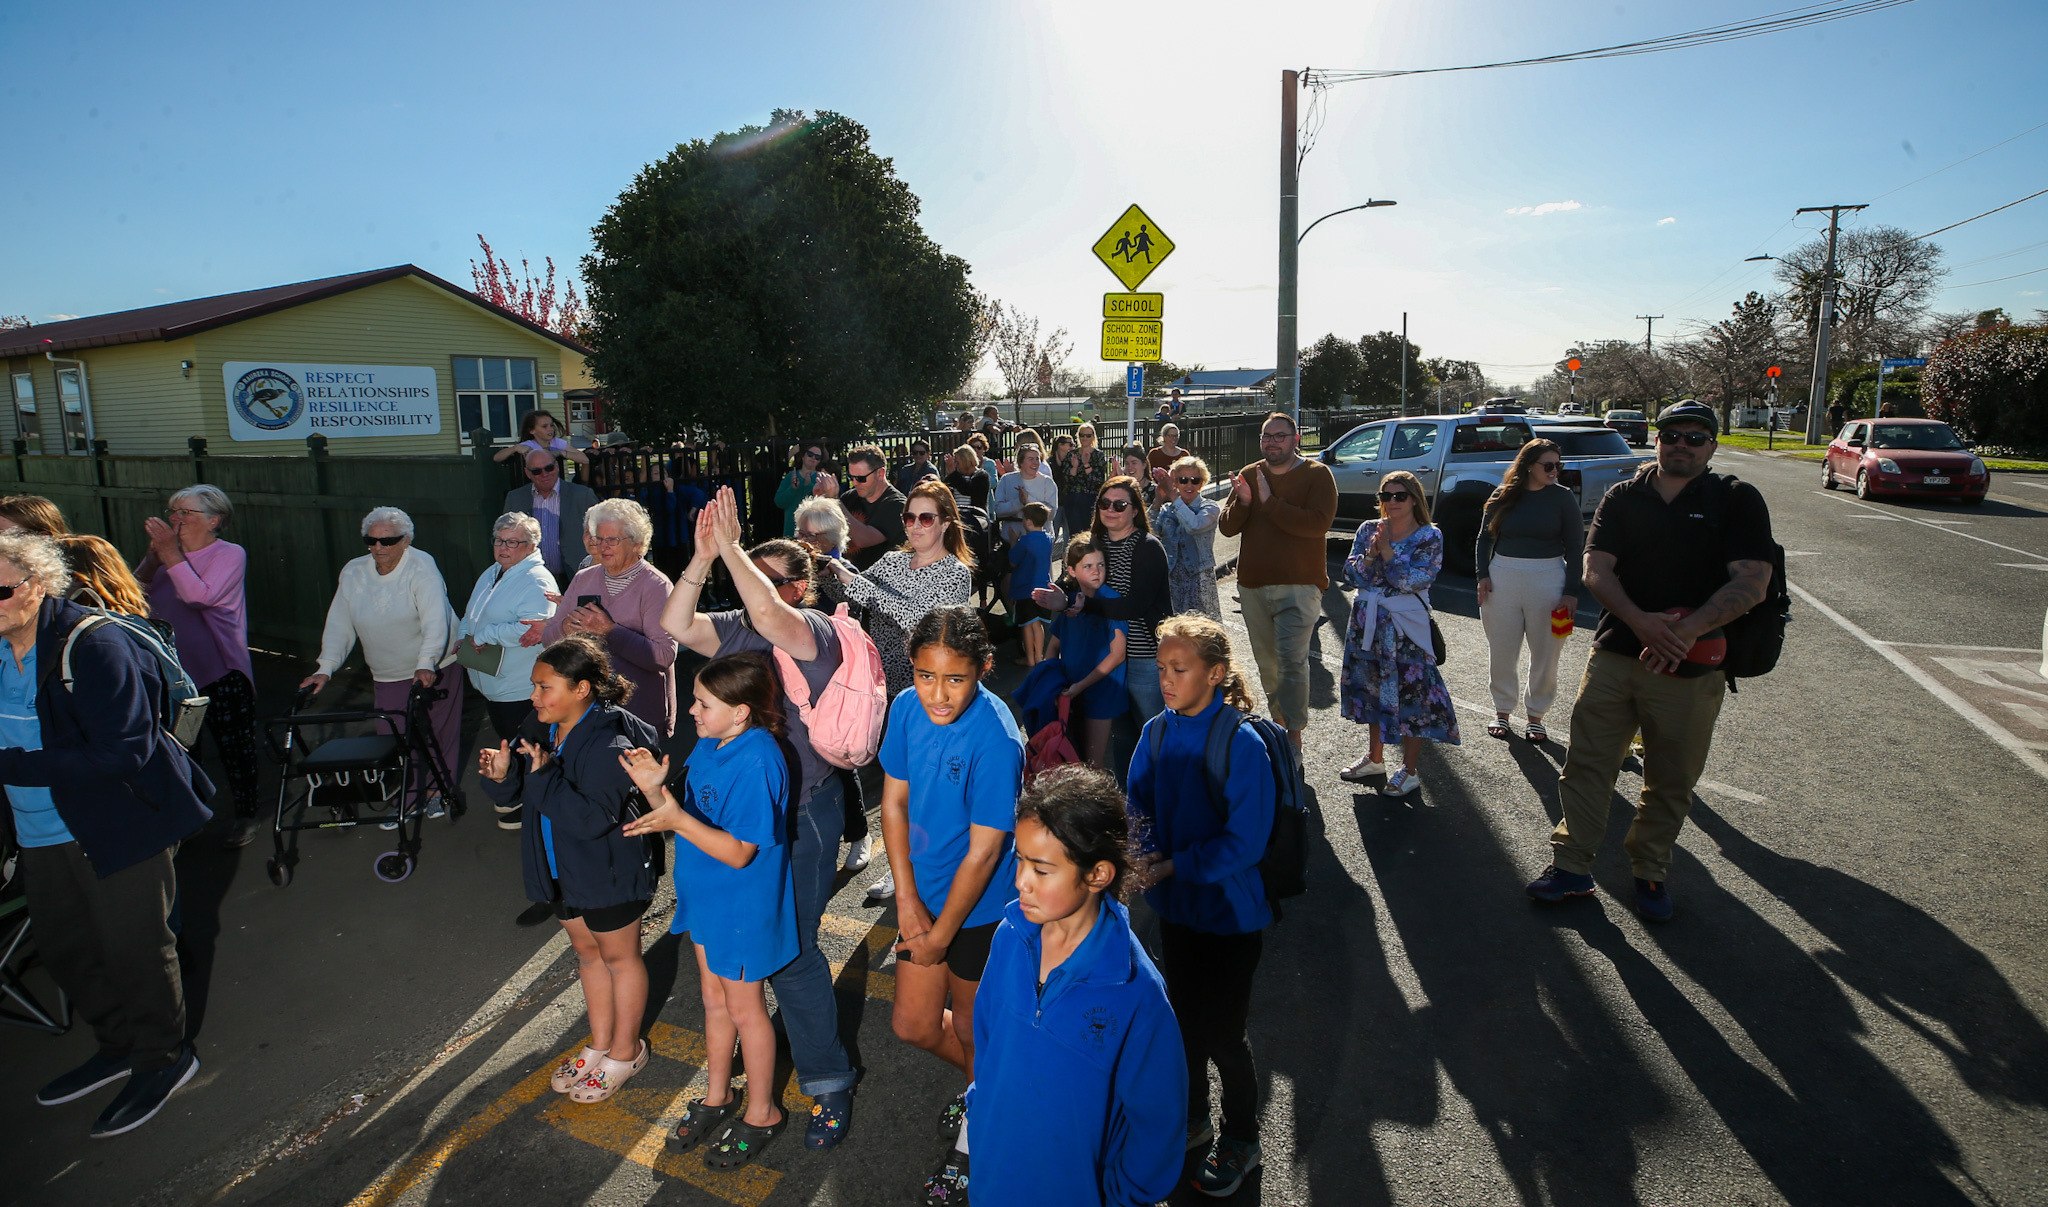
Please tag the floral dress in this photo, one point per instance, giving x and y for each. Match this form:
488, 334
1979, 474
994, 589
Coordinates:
1189, 534
897, 595
1388, 679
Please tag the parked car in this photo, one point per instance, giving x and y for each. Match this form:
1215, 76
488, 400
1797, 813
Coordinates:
1460, 459
1502, 406
1919, 457
1571, 408
1634, 426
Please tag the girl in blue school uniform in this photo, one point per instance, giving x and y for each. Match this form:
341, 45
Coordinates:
1091, 650
734, 892
1200, 873
952, 761
1078, 1094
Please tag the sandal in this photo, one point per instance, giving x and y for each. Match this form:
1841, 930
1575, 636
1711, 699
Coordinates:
573, 1068
604, 1080
1536, 733
700, 1121
1498, 728
742, 1142
831, 1113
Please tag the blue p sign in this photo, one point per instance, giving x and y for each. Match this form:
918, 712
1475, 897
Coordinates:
1134, 381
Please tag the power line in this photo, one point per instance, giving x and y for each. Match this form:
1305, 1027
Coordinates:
1788, 19
1986, 214
1993, 281
1958, 163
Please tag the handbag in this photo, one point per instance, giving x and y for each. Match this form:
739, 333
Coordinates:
484, 661
1436, 639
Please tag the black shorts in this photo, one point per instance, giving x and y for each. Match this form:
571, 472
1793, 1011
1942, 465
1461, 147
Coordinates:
967, 954
607, 918
1024, 611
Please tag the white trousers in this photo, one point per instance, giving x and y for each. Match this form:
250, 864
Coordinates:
1525, 590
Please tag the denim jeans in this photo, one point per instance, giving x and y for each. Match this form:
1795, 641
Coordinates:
1141, 682
803, 989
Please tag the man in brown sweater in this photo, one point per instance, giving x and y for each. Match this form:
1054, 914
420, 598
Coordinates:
1283, 506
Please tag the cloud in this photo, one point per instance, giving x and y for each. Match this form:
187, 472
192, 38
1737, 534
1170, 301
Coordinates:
58, 318
1548, 207
1666, 221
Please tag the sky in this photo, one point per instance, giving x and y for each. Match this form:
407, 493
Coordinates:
164, 152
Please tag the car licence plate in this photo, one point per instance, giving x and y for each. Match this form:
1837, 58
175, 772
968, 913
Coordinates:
1931, 480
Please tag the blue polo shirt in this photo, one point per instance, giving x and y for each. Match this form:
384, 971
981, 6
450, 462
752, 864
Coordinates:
36, 823
1031, 563
960, 775
744, 918
1084, 643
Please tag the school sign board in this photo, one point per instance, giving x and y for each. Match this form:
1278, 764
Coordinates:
273, 400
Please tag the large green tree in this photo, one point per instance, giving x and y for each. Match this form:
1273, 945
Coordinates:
773, 281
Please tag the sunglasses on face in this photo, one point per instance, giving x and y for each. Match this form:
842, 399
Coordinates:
814, 454
1117, 505
920, 519
1548, 467
541, 472
386, 541
862, 477
7, 592
780, 581
1393, 496
1188, 481
1689, 439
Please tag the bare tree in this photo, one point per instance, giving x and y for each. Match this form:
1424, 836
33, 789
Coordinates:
1886, 279
985, 311
1015, 344
1731, 355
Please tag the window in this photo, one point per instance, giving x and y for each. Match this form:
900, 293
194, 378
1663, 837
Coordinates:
1360, 446
493, 392
1412, 440
1590, 444
25, 418
77, 423
1491, 436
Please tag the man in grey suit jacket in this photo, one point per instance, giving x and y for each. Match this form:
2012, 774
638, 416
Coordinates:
559, 506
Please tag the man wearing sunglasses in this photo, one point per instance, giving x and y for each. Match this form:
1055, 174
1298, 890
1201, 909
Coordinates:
918, 470
874, 509
1672, 555
559, 506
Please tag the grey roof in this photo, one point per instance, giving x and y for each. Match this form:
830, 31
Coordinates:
1223, 379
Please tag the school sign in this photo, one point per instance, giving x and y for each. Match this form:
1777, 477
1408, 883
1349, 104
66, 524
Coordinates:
276, 401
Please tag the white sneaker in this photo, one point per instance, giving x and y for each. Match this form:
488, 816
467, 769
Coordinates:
1402, 782
883, 889
859, 854
1362, 770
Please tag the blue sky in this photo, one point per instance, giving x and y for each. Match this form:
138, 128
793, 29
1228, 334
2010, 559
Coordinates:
173, 151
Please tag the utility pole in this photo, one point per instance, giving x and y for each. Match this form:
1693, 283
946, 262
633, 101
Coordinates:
1817, 393
1649, 325
1404, 364
1287, 373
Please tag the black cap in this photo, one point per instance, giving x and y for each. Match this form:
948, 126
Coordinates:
1695, 412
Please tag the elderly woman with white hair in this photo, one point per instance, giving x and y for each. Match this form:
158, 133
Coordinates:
820, 523
619, 600
393, 601
194, 581
499, 639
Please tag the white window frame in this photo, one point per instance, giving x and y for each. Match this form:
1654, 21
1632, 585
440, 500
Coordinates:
513, 397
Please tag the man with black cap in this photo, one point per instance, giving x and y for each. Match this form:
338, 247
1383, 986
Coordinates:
1672, 555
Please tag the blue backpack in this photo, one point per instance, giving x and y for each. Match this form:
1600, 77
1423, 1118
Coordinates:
1284, 867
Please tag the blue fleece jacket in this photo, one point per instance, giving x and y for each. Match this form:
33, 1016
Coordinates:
1215, 887
582, 794
1081, 1085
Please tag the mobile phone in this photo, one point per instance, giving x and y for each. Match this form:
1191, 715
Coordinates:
584, 601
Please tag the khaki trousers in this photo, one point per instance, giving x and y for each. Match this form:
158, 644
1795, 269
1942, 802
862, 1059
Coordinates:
1617, 696
1280, 619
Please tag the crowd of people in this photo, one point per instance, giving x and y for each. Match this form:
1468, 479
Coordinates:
1084, 1072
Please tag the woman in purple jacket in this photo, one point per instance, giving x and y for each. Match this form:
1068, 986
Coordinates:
618, 600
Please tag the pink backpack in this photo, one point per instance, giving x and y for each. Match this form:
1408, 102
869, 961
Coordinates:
845, 721
1051, 746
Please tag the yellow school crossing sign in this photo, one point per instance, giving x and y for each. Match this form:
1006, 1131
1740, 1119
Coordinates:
1133, 247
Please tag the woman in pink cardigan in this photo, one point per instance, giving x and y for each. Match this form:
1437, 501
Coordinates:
619, 601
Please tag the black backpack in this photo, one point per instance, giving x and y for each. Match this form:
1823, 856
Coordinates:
1284, 867
1757, 637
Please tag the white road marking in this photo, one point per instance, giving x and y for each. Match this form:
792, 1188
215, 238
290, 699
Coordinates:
1962, 708
1989, 649
1729, 452
2035, 485
1801, 553
1894, 519
1876, 515
2025, 565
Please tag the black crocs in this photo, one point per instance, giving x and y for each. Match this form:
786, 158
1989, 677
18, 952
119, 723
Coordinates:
742, 1142
701, 1122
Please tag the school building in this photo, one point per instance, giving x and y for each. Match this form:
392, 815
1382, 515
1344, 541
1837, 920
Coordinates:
394, 361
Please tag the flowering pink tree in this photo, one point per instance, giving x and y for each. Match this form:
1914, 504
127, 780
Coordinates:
525, 296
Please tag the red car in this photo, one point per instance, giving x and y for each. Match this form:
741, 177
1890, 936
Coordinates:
1919, 457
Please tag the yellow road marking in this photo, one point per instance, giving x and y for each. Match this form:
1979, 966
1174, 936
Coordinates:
391, 1185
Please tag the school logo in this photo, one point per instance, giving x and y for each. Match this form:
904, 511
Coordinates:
270, 399
707, 798
956, 769
1101, 1026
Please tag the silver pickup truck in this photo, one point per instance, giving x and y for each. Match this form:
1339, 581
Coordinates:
1460, 459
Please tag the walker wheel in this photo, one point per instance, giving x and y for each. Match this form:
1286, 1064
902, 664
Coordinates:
280, 873
393, 866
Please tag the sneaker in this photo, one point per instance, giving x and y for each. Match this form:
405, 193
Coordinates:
510, 819
100, 1070
436, 807
1224, 1168
388, 825
511, 808
144, 1095
883, 889
1200, 1135
241, 834
1362, 770
859, 854
1556, 885
1652, 902
948, 1187
1402, 782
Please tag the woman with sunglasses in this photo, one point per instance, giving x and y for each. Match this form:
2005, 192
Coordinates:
1139, 572
394, 602
1081, 470
933, 569
800, 483
1028, 483
1530, 541
1186, 524
1390, 681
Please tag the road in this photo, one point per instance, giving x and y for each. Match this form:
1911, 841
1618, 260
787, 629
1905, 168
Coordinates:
1848, 1008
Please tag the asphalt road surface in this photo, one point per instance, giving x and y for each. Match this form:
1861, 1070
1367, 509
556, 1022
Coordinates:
1847, 1009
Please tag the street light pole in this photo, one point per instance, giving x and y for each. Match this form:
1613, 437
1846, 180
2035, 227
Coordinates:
1286, 376
1404, 364
1817, 394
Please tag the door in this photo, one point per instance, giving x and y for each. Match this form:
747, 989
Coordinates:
1354, 463
1846, 460
1412, 446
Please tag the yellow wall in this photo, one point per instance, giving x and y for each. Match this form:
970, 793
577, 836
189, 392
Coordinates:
141, 402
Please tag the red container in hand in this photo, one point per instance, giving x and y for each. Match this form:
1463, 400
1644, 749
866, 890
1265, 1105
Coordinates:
1560, 621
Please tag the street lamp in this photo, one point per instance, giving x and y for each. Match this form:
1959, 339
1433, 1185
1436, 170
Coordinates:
1287, 377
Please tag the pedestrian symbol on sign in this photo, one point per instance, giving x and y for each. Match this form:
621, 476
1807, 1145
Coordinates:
1133, 247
